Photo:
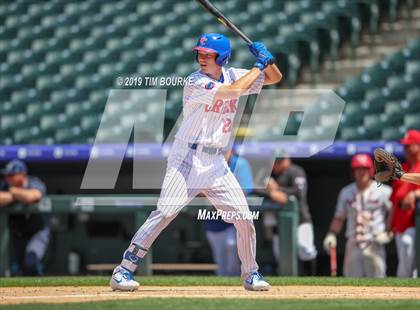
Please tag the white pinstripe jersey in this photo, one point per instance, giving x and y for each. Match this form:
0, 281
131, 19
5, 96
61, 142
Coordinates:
206, 121
365, 212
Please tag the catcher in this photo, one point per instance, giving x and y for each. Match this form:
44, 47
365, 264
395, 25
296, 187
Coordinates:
405, 195
387, 168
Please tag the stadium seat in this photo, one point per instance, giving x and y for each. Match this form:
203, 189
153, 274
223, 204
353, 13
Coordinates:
69, 135
395, 62
52, 107
376, 75
393, 133
412, 121
394, 112
353, 133
374, 124
398, 86
412, 69
353, 115
83, 46
11, 108
413, 95
353, 89
414, 45
29, 96
90, 123
26, 135
49, 122
15, 121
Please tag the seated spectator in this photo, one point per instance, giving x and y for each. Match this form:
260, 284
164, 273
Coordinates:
29, 232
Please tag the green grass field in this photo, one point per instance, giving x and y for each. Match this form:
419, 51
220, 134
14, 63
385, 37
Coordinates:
228, 304
206, 280
219, 303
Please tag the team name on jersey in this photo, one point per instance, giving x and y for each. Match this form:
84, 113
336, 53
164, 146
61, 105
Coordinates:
222, 106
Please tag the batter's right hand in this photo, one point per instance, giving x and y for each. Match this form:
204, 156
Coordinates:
263, 61
330, 241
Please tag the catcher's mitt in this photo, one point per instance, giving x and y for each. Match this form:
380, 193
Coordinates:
387, 166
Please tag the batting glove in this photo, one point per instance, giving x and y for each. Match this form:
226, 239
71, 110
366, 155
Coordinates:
384, 237
260, 65
263, 61
330, 241
255, 48
262, 54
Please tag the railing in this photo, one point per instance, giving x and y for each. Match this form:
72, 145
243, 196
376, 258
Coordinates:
140, 206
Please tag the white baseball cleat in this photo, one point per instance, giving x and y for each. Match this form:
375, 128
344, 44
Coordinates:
123, 280
256, 282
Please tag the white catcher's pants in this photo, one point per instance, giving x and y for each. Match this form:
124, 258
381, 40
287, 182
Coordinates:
188, 173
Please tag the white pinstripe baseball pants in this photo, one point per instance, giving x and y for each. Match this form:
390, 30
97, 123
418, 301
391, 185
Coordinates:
190, 172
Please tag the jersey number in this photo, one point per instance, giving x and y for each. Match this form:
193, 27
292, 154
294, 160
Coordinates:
227, 125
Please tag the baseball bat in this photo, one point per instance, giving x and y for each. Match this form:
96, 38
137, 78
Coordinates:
333, 261
223, 19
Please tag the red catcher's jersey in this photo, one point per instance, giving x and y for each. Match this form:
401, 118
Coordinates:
403, 219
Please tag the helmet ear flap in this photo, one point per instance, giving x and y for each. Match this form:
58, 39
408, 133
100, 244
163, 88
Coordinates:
222, 61
219, 61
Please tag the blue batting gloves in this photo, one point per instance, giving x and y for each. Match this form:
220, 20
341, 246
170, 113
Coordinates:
263, 56
260, 65
256, 47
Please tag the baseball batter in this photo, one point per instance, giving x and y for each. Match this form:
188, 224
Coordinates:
196, 163
365, 207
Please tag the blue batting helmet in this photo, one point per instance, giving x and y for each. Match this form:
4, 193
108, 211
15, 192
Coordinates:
215, 43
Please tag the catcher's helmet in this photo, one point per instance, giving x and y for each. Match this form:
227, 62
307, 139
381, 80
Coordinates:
215, 43
362, 161
411, 137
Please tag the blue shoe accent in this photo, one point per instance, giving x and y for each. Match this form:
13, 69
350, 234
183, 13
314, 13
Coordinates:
123, 280
256, 282
126, 275
132, 257
258, 276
